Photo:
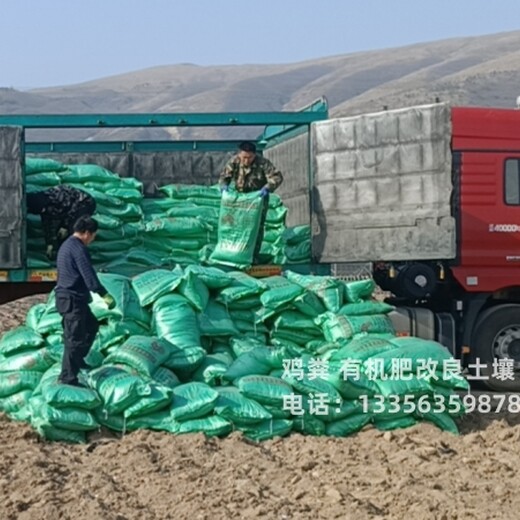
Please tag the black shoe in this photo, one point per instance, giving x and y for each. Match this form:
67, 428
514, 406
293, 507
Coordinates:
72, 383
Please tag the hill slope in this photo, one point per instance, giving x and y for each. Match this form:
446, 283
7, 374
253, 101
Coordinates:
470, 71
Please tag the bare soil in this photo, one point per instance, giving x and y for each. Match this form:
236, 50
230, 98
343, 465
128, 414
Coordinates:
419, 473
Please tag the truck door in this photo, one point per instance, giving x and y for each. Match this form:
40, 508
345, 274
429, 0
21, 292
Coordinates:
11, 197
489, 220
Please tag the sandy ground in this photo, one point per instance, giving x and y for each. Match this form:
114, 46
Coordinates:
419, 473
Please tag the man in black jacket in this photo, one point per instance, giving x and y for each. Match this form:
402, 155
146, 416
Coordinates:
59, 207
76, 280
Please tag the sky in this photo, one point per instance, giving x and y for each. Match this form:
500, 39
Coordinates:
62, 42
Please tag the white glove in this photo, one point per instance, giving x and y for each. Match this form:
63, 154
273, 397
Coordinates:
109, 300
50, 252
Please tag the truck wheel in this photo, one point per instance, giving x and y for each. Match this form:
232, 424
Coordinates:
497, 336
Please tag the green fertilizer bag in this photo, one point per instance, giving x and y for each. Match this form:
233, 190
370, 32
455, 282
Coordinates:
66, 396
151, 285
237, 408
144, 353
213, 426
19, 339
117, 388
192, 401
238, 227
14, 381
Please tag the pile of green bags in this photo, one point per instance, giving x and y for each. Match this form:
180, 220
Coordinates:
198, 349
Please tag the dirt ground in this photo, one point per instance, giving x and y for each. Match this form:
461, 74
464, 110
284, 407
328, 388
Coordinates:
419, 473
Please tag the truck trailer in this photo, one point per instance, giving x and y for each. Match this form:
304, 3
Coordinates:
425, 199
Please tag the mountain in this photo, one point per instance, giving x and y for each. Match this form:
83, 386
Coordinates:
478, 71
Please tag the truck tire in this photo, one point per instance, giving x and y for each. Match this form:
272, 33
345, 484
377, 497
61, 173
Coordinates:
497, 336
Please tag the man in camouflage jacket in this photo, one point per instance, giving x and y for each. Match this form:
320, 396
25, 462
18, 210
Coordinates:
59, 208
252, 172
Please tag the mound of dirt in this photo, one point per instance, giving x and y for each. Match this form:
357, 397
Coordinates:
419, 472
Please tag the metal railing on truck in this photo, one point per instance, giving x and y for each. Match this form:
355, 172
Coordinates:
277, 127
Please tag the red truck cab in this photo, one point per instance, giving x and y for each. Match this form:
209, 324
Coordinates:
486, 150
477, 292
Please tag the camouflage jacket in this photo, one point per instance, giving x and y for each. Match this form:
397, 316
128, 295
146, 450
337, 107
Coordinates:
260, 173
63, 206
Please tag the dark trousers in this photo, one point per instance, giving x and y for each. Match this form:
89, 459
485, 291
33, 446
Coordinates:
79, 331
